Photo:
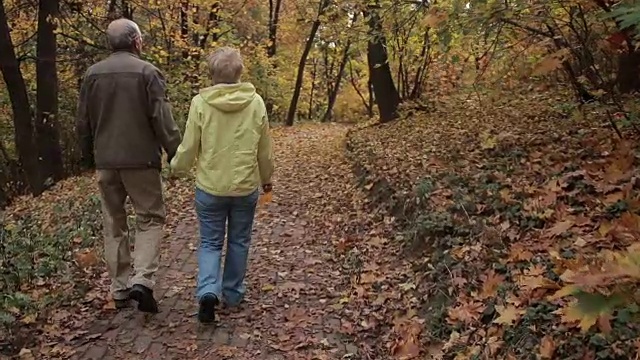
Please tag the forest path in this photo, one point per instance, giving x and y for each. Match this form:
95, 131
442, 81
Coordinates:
295, 282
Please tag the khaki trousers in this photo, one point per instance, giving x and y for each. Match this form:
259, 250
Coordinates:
144, 189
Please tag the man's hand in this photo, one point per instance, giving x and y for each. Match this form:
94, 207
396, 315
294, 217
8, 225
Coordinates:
267, 188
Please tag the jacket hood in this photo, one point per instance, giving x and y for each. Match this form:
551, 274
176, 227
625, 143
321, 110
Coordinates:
229, 97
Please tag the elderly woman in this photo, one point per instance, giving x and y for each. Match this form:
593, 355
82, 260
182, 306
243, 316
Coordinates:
227, 135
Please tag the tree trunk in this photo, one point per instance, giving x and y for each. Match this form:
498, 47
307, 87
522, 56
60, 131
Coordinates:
211, 29
274, 18
386, 94
22, 116
314, 73
112, 14
127, 10
371, 97
47, 125
328, 70
627, 77
355, 87
303, 60
333, 94
184, 27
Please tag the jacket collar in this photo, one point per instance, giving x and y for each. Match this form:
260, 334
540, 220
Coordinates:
124, 52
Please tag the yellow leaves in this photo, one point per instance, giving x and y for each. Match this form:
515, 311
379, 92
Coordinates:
605, 228
88, 40
26, 354
551, 62
573, 314
488, 141
29, 319
434, 18
565, 291
509, 315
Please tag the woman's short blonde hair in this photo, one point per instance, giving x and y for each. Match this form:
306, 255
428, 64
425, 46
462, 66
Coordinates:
225, 65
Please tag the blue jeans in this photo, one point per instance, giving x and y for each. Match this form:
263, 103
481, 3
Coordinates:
217, 215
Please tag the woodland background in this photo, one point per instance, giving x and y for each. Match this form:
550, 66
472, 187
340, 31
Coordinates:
476, 120
309, 60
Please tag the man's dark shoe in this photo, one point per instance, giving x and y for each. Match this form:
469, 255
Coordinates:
144, 297
207, 312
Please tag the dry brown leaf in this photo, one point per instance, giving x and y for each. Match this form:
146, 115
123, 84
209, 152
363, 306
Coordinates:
560, 228
547, 347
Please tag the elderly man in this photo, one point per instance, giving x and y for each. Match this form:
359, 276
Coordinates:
124, 119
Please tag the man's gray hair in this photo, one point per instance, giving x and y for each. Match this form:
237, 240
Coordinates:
225, 65
122, 34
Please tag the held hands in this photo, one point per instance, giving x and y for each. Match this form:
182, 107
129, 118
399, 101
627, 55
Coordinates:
267, 194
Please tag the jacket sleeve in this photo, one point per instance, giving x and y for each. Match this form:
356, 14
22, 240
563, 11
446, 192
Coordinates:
190, 147
164, 126
83, 125
265, 152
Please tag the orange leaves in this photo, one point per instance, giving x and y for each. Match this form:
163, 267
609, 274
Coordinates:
551, 62
599, 289
559, 228
467, 311
86, 258
519, 252
266, 198
534, 284
536, 228
408, 344
434, 18
491, 282
619, 169
547, 347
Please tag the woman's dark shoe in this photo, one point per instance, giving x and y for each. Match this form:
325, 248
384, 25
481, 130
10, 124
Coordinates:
144, 297
207, 312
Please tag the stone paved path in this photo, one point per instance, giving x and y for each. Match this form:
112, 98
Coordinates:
294, 280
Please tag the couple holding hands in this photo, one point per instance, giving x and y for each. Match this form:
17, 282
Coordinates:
124, 120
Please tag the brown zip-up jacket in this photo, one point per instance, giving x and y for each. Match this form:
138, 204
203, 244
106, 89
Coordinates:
124, 118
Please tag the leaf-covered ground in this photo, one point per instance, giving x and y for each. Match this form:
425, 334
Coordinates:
459, 227
509, 199
324, 282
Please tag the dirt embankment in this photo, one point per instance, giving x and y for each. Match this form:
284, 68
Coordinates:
501, 203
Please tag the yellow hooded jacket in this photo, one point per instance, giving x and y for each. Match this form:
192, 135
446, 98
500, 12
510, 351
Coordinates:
227, 135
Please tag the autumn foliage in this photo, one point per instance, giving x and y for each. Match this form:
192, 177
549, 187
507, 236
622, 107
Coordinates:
527, 223
488, 206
